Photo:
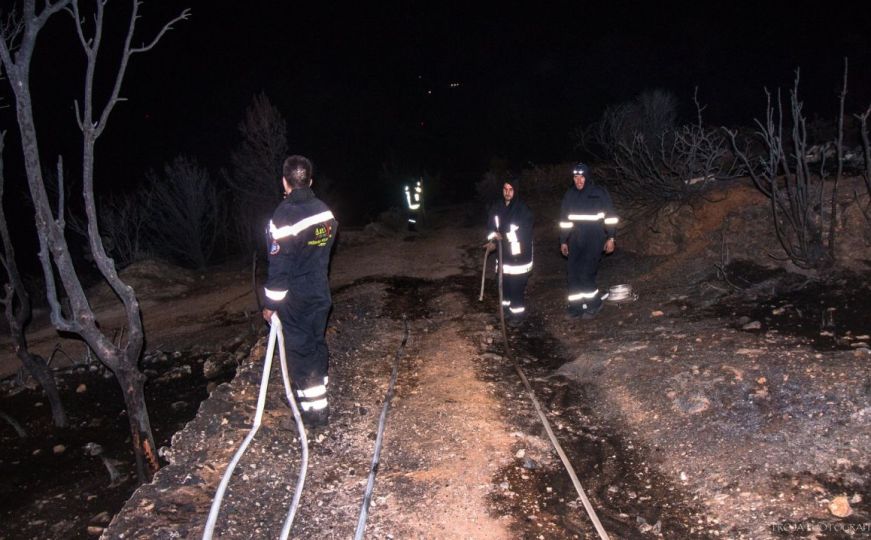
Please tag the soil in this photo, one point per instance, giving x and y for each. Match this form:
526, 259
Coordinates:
731, 399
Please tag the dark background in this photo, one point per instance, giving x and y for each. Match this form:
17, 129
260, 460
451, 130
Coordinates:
368, 85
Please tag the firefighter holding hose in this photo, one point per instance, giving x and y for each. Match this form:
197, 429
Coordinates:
300, 237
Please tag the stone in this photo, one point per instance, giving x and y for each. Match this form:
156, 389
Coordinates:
840, 507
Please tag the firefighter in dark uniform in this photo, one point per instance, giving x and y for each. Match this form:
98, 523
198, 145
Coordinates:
510, 222
414, 204
588, 225
300, 236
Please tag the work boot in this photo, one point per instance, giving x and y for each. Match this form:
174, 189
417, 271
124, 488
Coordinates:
316, 419
592, 311
574, 312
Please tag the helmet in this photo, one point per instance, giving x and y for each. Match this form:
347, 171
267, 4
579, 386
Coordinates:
580, 168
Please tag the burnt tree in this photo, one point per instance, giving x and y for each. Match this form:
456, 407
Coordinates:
17, 308
18, 37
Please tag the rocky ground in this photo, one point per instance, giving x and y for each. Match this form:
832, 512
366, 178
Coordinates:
732, 399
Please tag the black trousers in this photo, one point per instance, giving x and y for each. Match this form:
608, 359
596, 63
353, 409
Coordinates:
584, 258
513, 292
304, 323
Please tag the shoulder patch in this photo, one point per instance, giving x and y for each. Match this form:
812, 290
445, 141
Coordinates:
274, 248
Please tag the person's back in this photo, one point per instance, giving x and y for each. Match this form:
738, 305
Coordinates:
301, 233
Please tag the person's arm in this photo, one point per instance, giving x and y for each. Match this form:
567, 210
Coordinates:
610, 223
493, 228
565, 226
280, 261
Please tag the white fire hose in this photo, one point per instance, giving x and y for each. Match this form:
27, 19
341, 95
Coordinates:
275, 333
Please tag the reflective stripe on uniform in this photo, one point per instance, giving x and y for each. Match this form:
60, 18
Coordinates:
301, 225
314, 405
611, 221
275, 295
587, 217
583, 295
566, 224
506, 302
513, 242
517, 310
516, 269
313, 392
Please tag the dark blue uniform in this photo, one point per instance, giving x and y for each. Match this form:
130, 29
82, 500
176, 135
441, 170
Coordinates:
514, 223
587, 221
301, 236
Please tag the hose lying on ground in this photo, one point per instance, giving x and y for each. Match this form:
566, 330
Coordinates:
373, 470
275, 334
559, 450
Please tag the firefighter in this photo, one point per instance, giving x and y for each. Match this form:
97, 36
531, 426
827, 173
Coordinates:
510, 222
414, 204
588, 225
300, 236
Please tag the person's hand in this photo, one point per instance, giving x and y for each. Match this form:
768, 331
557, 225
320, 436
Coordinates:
609, 246
267, 314
497, 237
564, 249
490, 246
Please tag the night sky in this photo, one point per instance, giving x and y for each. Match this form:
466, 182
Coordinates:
372, 84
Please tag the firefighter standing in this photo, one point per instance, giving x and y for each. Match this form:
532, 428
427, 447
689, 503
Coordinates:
510, 222
300, 236
588, 225
414, 204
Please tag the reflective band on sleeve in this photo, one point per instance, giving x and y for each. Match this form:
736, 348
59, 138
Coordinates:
412, 220
275, 295
587, 217
582, 295
497, 222
611, 221
299, 226
506, 302
314, 405
413, 206
566, 224
314, 391
491, 236
516, 310
517, 269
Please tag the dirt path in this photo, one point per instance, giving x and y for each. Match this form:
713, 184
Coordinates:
693, 413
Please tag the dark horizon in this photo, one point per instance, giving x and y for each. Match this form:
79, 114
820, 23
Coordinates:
435, 89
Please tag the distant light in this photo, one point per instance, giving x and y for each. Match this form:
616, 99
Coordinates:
455, 84
429, 92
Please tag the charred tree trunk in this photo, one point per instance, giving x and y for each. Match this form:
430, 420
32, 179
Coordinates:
20, 37
132, 386
17, 319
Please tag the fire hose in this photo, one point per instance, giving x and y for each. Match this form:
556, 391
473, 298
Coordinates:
373, 470
559, 450
275, 334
